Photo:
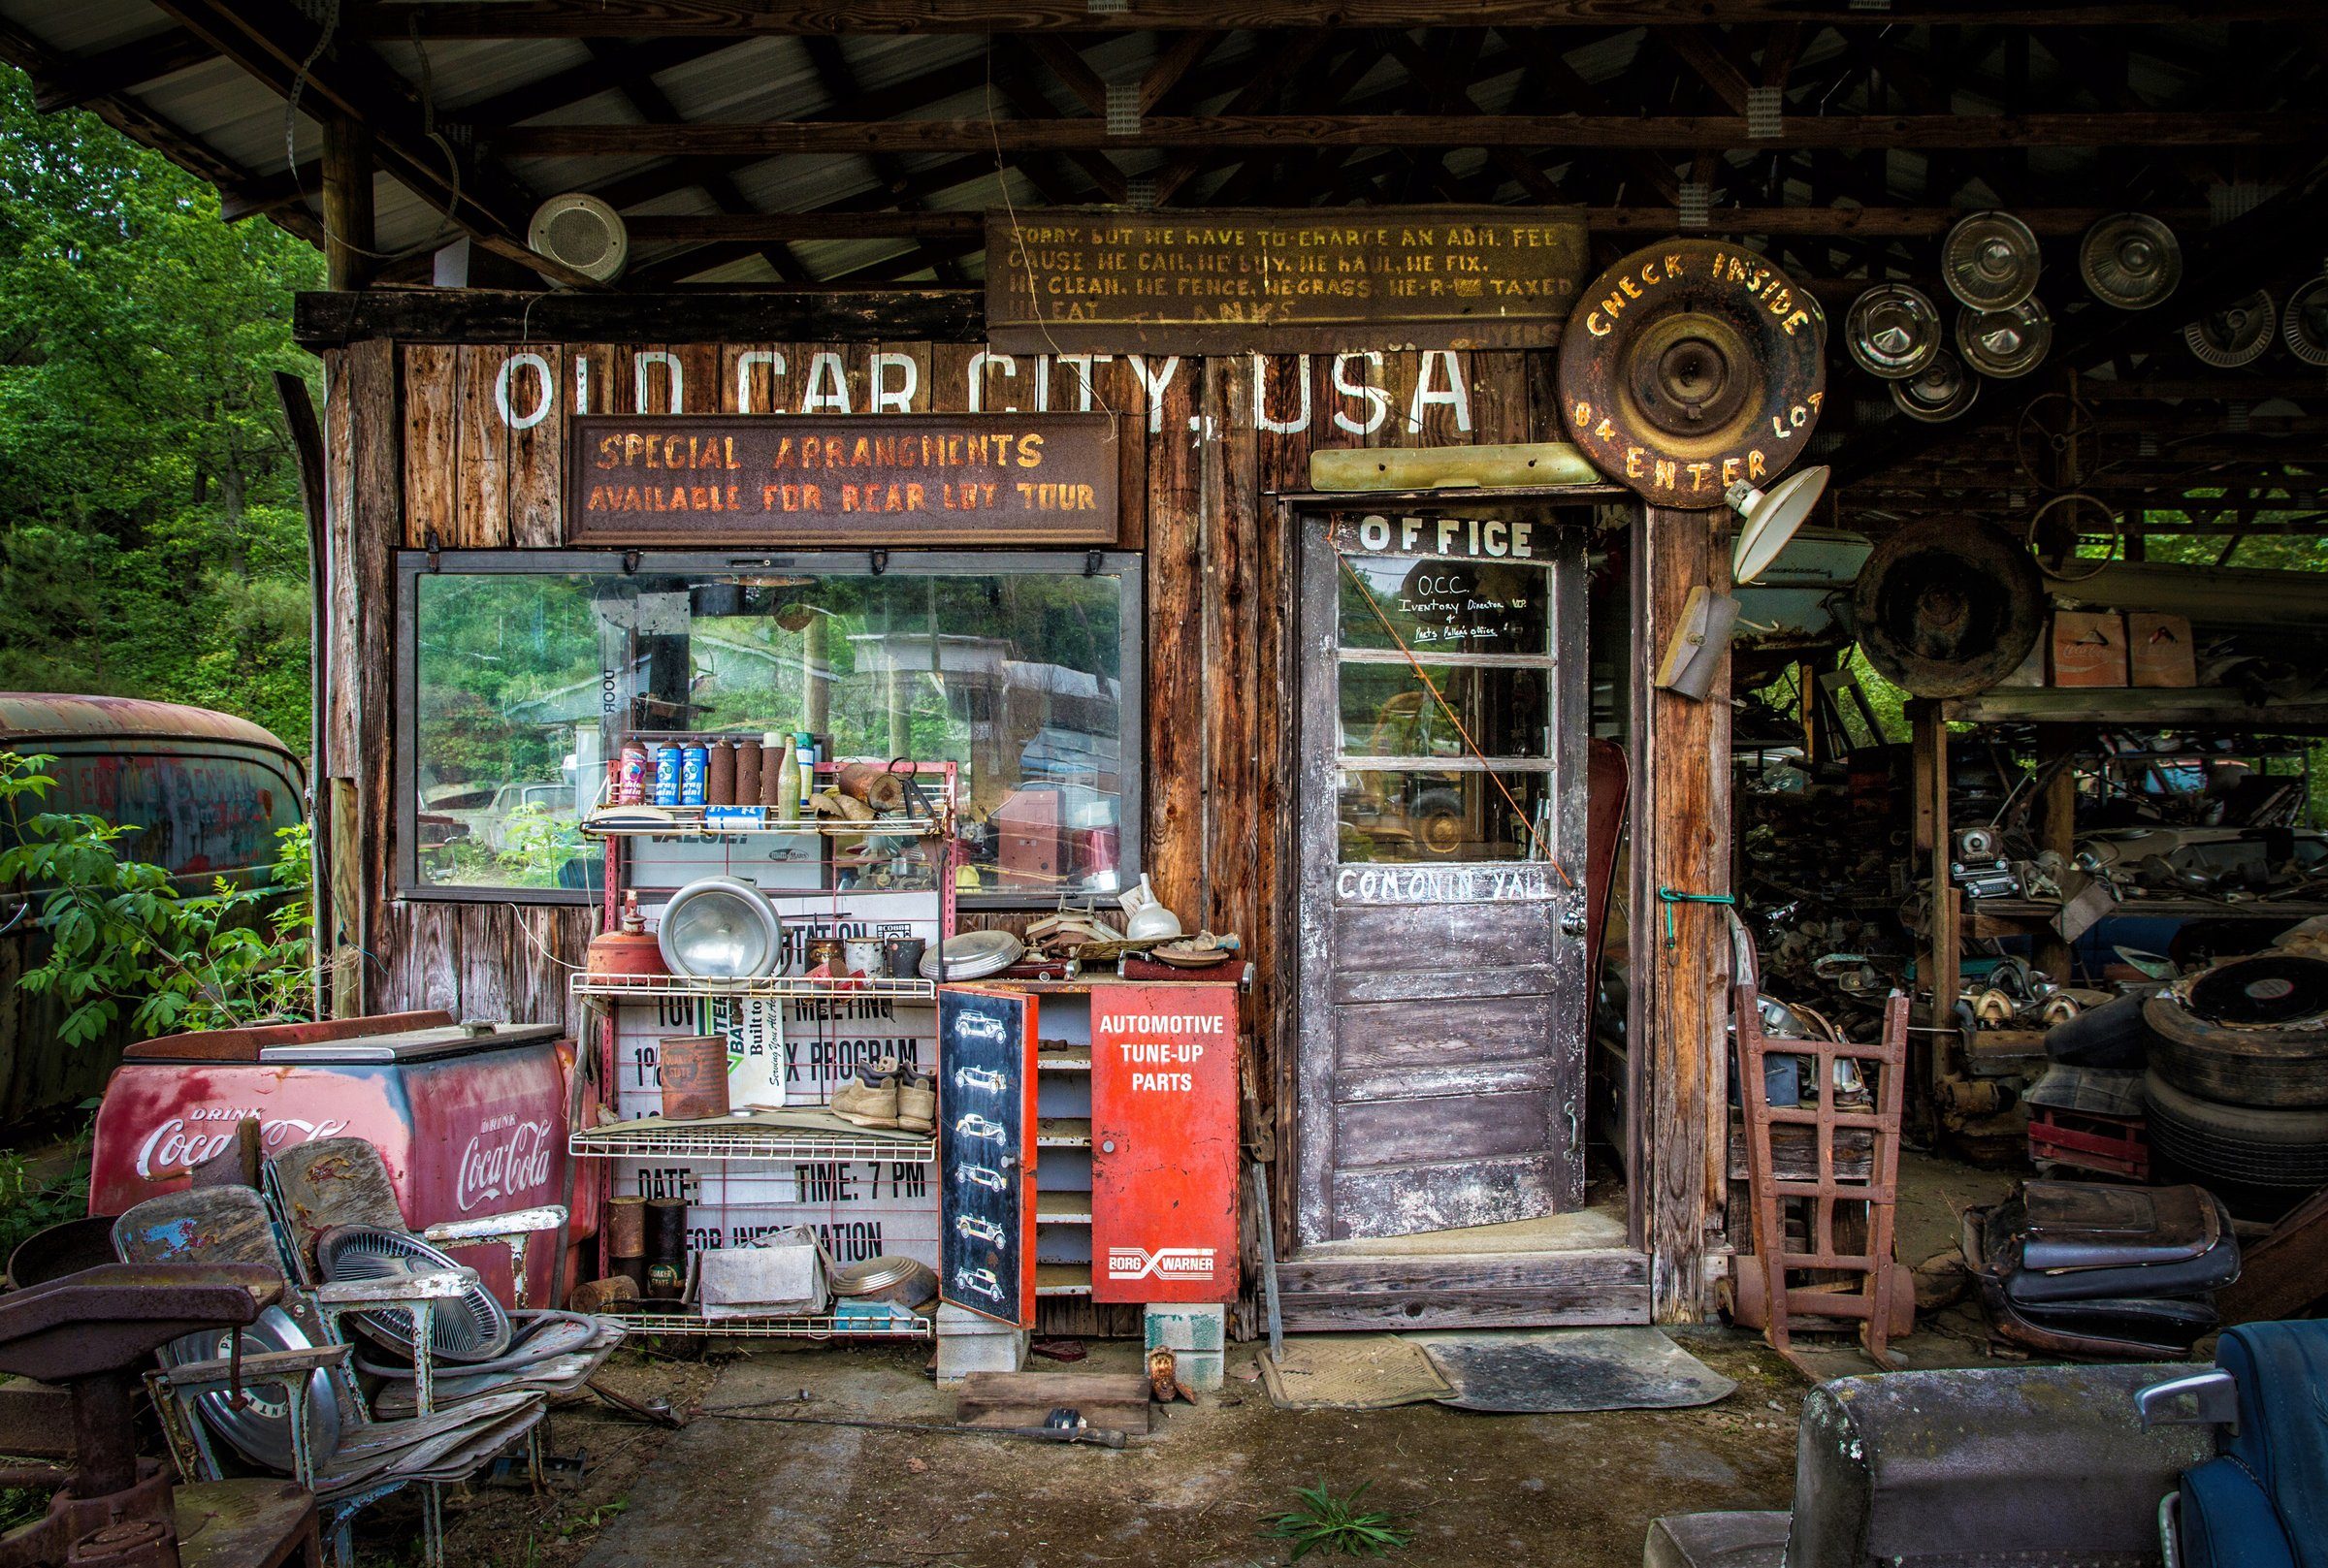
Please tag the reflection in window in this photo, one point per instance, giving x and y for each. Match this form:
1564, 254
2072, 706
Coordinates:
1428, 815
1446, 606
529, 682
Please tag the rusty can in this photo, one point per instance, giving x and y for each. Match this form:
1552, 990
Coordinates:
718, 774
666, 1248
626, 1227
747, 773
693, 1072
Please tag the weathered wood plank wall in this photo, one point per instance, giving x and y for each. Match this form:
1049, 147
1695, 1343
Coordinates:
464, 448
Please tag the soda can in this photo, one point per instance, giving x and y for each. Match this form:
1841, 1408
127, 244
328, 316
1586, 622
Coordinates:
631, 785
667, 776
695, 764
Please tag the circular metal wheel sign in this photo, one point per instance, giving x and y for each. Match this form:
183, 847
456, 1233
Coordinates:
1690, 366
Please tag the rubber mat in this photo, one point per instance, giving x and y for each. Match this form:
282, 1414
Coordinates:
1555, 1370
1351, 1372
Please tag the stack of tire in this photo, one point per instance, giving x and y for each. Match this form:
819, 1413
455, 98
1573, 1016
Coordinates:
2238, 1082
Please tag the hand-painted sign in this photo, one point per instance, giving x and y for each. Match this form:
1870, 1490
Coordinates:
1472, 539
986, 1152
1230, 281
732, 479
1164, 1143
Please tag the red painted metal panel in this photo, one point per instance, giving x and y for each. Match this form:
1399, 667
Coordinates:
1164, 1143
462, 1136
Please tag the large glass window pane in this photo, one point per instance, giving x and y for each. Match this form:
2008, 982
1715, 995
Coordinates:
1418, 816
508, 712
1446, 606
1014, 675
1387, 712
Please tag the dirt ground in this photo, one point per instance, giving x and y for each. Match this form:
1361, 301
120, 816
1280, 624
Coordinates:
740, 1490
727, 1493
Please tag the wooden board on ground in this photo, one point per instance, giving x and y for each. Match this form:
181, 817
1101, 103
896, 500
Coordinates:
1115, 1401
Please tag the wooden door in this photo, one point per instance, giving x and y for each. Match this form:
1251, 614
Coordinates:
1441, 820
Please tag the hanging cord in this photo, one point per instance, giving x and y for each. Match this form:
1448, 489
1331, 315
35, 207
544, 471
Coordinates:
1526, 820
327, 26
1671, 896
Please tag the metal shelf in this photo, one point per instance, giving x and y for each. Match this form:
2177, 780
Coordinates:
824, 1326
1063, 1279
689, 822
733, 1139
1062, 1208
818, 987
1063, 1133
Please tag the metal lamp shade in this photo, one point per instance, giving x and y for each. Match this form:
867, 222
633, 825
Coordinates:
1770, 519
721, 928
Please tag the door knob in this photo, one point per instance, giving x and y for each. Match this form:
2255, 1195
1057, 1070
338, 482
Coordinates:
1107, 1146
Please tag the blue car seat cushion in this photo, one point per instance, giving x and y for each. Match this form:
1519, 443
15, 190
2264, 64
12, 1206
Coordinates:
2228, 1522
2281, 1446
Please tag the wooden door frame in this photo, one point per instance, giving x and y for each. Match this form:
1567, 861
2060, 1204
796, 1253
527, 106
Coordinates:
1586, 1286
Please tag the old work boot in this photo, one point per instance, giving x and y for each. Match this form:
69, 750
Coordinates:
868, 1097
917, 1104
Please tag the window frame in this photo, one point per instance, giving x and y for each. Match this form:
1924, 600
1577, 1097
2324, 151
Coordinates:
410, 565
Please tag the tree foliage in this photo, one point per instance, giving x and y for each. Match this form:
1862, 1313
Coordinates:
151, 542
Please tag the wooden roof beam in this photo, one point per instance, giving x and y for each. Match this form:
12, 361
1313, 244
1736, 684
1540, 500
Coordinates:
1280, 133
273, 41
74, 81
752, 18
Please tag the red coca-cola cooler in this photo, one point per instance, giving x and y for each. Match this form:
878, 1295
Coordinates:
470, 1119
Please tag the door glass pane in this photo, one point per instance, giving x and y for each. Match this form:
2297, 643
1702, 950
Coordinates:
1426, 815
1386, 712
1446, 606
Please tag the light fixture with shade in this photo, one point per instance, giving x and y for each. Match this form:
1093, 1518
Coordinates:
721, 928
1772, 518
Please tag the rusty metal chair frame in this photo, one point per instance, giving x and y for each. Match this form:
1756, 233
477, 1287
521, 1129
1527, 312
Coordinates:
1870, 1305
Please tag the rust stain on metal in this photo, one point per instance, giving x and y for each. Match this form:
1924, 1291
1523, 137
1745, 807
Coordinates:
1690, 367
1270, 281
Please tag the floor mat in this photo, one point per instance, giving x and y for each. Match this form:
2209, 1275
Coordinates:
1546, 1371
1351, 1372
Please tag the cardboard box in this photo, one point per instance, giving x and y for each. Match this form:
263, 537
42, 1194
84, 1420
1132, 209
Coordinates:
2090, 648
2160, 651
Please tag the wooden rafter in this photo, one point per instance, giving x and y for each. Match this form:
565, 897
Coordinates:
748, 19
1287, 132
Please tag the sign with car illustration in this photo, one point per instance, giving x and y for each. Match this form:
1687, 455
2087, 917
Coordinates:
986, 1153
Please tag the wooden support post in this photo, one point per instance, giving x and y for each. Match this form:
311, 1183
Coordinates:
2057, 828
1681, 841
1941, 966
347, 218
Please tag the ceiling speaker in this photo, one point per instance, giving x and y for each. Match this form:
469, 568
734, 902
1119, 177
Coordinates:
1990, 261
2005, 343
2236, 335
1892, 331
2304, 325
1948, 607
2130, 260
1939, 392
583, 232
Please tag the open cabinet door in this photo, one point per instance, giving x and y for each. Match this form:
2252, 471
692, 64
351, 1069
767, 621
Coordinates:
986, 1152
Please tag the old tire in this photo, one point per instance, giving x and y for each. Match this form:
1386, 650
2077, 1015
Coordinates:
2282, 1151
2267, 1064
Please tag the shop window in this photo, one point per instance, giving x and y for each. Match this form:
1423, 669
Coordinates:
521, 673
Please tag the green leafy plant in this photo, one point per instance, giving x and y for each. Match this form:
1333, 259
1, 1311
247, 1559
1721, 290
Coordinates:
1325, 1523
124, 938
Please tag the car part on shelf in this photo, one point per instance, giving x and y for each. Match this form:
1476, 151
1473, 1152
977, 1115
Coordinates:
972, 956
1939, 392
1690, 366
2005, 343
721, 928
2130, 260
1892, 331
1990, 261
1948, 607
2249, 1032
2234, 336
2304, 324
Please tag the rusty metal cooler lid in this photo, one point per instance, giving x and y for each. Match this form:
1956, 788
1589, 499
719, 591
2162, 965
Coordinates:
412, 1044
